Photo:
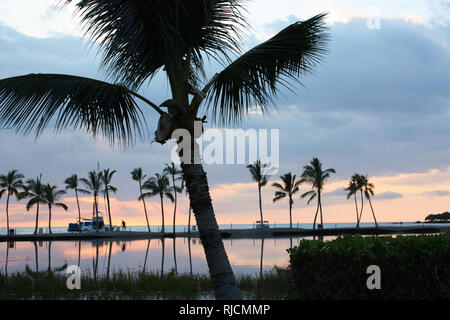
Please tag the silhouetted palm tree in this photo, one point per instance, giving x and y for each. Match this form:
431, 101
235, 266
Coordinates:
72, 182
138, 176
139, 38
368, 189
106, 181
10, 184
354, 186
314, 175
34, 189
176, 176
94, 183
159, 185
289, 188
259, 174
51, 196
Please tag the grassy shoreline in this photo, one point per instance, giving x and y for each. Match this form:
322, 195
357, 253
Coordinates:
126, 285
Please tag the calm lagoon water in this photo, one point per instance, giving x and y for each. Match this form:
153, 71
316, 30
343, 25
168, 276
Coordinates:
247, 256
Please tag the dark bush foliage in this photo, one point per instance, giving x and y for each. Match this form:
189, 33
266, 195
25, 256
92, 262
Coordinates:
412, 267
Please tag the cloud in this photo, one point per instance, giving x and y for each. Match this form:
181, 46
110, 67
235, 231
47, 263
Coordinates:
435, 193
389, 195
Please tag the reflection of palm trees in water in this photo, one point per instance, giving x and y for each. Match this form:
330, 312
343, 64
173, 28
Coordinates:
95, 261
79, 253
36, 259
190, 256
175, 255
261, 261
162, 258
49, 269
109, 260
6, 260
146, 255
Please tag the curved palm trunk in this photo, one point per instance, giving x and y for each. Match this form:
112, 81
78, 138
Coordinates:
162, 215
290, 211
216, 257
49, 219
175, 204
109, 209
362, 207
145, 207
320, 205
37, 218
79, 210
96, 213
260, 206
357, 213
7, 215
315, 216
373, 213
189, 219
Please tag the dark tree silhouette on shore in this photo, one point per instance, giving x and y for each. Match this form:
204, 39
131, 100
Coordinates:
314, 175
73, 183
158, 185
138, 176
259, 174
51, 196
289, 188
34, 189
11, 184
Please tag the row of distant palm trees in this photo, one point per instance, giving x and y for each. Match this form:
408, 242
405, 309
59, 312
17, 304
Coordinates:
97, 183
164, 185
314, 175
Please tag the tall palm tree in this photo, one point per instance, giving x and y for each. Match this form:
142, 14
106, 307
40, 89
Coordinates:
94, 183
176, 175
159, 185
353, 187
368, 189
137, 39
289, 188
10, 184
51, 196
106, 177
34, 189
314, 175
137, 175
259, 174
73, 183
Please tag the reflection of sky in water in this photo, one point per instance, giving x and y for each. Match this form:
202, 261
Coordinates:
244, 255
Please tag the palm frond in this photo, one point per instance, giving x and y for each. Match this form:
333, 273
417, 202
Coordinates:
138, 37
32, 102
254, 78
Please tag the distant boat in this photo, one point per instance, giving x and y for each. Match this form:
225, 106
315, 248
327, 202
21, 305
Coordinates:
90, 225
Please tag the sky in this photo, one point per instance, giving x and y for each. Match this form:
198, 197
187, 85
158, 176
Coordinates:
379, 104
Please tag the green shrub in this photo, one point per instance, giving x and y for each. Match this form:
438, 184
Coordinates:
412, 267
